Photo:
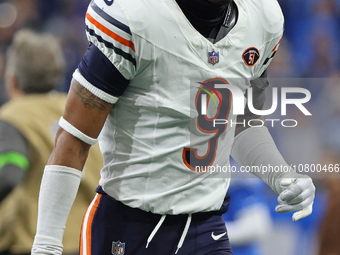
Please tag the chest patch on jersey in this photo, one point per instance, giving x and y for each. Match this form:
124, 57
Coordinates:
251, 56
213, 57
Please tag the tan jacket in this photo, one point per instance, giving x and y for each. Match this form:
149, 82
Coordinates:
37, 116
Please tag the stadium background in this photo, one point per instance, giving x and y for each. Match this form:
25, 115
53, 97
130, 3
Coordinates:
310, 49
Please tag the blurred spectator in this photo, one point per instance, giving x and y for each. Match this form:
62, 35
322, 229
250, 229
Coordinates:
330, 228
28, 123
64, 19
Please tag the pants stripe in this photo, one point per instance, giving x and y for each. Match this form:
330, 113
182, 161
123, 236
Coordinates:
85, 240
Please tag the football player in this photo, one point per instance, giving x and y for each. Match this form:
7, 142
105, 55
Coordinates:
134, 85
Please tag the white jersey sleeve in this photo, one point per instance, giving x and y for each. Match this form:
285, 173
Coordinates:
107, 28
270, 53
272, 21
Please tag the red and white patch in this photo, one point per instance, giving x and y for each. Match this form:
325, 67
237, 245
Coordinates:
251, 56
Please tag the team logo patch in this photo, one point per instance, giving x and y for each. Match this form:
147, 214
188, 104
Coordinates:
118, 248
213, 57
251, 56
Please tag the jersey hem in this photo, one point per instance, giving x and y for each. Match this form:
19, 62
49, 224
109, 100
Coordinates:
94, 90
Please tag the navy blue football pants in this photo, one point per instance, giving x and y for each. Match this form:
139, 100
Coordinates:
110, 227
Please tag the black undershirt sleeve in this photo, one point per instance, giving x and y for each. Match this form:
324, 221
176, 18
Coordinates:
98, 70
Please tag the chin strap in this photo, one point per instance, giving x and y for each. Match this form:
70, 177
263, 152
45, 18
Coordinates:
229, 22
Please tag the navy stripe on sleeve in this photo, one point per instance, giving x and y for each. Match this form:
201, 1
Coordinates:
109, 19
97, 69
266, 61
118, 51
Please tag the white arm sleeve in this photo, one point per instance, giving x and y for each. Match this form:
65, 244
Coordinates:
255, 147
59, 187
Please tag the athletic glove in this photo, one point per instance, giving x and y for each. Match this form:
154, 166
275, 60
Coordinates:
296, 193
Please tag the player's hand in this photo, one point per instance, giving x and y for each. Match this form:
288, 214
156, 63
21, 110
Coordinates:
297, 193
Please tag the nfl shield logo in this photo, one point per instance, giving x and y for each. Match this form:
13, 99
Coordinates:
214, 57
118, 248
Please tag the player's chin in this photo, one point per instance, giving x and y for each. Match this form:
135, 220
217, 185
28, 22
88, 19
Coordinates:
220, 2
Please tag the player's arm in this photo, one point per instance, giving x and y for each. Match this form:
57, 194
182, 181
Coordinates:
86, 113
88, 104
101, 78
95, 88
14, 154
83, 119
254, 146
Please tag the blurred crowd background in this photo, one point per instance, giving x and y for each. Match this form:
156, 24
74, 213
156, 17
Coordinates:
309, 54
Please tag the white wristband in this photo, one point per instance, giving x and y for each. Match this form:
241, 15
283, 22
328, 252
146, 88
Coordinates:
58, 190
76, 132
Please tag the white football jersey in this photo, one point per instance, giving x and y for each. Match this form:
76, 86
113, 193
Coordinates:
153, 127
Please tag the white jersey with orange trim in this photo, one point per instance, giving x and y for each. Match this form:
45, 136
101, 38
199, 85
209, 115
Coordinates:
153, 138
